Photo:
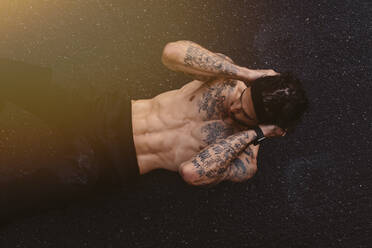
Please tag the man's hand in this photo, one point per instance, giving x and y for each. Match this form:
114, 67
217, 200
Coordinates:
272, 131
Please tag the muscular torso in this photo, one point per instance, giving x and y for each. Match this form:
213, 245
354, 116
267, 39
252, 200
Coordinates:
173, 126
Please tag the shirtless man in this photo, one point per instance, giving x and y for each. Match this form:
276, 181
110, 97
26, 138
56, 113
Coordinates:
205, 129
208, 130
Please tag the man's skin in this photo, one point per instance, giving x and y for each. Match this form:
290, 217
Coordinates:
202, 130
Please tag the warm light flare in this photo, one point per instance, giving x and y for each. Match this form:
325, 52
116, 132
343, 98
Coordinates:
18, 13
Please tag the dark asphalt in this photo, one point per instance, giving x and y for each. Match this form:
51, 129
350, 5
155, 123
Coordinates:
313, 188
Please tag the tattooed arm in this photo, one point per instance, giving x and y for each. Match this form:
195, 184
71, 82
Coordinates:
191, 58
245, 165
208, 78
212, 164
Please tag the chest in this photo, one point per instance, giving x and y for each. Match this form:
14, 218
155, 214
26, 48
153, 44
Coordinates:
200, 113
212, 101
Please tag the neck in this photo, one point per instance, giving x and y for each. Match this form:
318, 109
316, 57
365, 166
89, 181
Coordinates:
251, 111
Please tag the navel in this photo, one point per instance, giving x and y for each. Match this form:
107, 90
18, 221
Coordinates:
192, 98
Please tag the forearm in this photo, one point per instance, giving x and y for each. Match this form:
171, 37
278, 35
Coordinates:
244, 166
212, 163
189, 57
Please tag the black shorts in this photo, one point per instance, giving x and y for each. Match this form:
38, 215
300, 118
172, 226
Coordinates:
96, 153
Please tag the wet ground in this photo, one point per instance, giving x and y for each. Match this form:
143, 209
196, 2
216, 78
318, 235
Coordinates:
312, 188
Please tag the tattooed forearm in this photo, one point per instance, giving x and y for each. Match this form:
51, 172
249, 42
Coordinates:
213, 161
244, 166
193, 59
202, 59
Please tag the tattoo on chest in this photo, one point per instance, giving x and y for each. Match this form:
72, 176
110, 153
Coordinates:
212, 103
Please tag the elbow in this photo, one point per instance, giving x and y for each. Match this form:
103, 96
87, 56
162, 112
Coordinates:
169, 52
189, 175
173, 52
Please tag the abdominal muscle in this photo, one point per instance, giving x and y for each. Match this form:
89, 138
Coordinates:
166, 129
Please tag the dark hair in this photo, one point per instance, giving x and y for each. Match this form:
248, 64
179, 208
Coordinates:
279, 100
